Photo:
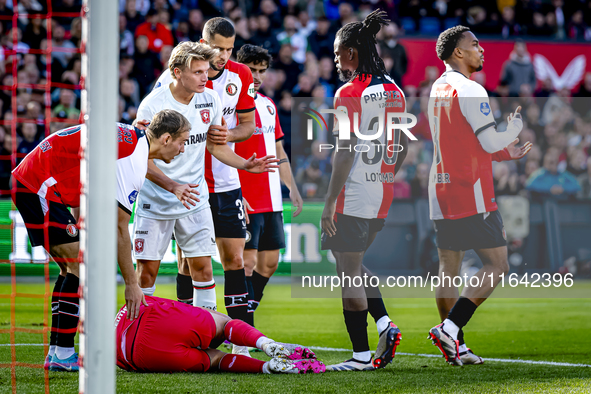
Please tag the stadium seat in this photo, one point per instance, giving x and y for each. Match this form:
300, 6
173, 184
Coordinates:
408, 24
430, 26
450, 22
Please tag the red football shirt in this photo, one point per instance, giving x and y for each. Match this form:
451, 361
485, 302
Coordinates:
262, 191
369, 189
461, 181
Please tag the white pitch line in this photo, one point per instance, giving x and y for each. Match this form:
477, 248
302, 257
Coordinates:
501, 360
336, 349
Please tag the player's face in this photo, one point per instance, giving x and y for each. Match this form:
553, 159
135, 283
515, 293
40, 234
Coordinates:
225, 45
345, 60
173, 147
259, 72
472, 51
194, 78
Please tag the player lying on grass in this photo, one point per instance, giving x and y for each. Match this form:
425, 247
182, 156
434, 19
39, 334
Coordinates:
170, 336
48, 182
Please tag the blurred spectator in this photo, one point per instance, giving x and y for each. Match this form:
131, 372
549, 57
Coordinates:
6, 163
29, 141
196, 23
147, 66
264, 37
539, 27
66, 107
157, 33
59, 41
269, 8
508, 25
284, 113
76, 32
133, 16
547, 182
297, 40
402, 189
585, 182
312, 182
126, 40
5, 11
391, 47
519, 70
321, 40
288, 66
34, 33
419, 185
506, 182
577, 162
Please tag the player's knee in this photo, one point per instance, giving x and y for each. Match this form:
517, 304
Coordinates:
504, 267
201, 272
233, 262
146, 278
215, 356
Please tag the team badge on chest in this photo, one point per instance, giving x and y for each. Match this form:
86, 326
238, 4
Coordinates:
231, 89
205, 116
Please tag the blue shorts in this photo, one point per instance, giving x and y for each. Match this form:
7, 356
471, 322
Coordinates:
265, 231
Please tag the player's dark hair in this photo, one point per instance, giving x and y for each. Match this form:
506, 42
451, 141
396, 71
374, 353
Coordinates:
362, 36
253, 54
168, 121
220, 26
448, 41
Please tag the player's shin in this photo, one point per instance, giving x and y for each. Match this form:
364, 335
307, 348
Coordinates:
69, 312
243, 334
459, 316
251, 303
236, 294
356, 322
204, 294
258, 286
55, 313
184, 288
241, 364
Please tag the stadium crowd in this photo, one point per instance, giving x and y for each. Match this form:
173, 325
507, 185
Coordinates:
299, 35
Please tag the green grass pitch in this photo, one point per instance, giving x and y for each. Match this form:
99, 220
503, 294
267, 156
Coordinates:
555, 330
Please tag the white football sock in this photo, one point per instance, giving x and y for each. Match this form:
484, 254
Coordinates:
204, 294
51, 351
64, 352
362, 356
262, 341
463, 348
149, 291
266, 367
451, 328
383, 323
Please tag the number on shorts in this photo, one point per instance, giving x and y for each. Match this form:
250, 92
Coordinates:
241, 213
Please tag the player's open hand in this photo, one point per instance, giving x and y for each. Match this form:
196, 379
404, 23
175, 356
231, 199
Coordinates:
327, 219
515, 115
264, 164
141, 124
296, 199
517, 152
134, 298
218, 134
187, 194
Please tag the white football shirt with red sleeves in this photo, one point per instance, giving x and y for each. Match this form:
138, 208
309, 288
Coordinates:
235, 86
262, 191
52, 169
461, 182
369, 189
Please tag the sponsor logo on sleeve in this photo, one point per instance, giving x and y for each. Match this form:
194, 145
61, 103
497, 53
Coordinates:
485, 108
251, 90
133, 196
205, 118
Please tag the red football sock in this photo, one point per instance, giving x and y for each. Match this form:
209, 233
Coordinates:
241, 333
238, 363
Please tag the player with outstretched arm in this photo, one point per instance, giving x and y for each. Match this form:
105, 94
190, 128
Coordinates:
461, 193
48, 182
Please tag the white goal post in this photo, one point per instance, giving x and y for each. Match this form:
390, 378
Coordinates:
98, 207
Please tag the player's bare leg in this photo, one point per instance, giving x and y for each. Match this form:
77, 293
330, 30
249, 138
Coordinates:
235, 290
66, 313
203, 284
266, 264
450, 263
147, 271
184, 284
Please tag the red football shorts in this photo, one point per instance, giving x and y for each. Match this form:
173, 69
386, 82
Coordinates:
167, 337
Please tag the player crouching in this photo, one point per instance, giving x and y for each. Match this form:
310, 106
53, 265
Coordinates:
170, 336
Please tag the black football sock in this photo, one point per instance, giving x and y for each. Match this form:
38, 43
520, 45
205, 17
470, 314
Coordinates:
69, 312
462, 312
250, 316
184, 288
356, 322
461, 337
55, 301
258, 285
235, 294
375, 303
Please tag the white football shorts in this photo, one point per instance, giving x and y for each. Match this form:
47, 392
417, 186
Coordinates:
194, 234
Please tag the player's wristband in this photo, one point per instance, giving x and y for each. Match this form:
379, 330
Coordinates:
502, 155
282, 161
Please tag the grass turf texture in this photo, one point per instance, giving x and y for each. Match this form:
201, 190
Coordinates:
531, 329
